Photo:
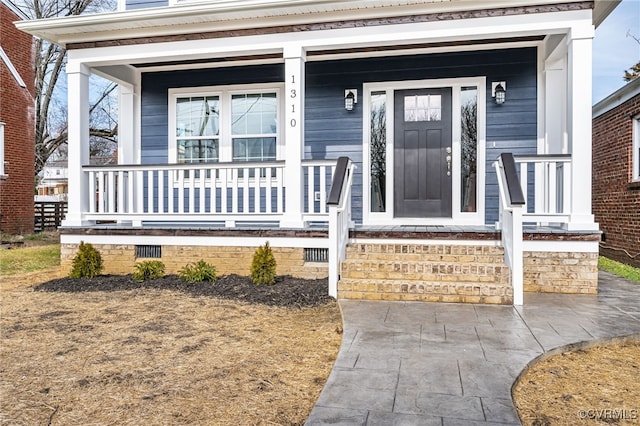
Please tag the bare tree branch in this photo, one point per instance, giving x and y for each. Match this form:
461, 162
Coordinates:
51, 124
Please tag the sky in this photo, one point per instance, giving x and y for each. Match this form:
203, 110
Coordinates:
614, 48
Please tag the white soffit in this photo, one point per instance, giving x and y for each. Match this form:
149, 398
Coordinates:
224, 15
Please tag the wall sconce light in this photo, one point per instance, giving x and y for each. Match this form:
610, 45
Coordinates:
499, 91
350, 99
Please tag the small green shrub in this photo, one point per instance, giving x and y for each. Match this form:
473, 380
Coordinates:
87, 263
148, 270
263, 266
197, 272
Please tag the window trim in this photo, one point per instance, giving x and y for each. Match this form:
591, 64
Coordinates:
635, 149
225, 136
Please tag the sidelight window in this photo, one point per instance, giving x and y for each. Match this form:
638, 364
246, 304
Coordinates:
469, 148
378, 150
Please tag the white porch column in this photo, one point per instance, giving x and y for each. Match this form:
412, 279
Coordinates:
579, 126
556, 107
128, 138
78, 141
294, 60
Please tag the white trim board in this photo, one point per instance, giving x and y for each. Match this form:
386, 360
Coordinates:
406, 241
12, 69
463, 29
561, 246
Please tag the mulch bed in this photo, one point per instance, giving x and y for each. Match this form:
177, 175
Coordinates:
287, 292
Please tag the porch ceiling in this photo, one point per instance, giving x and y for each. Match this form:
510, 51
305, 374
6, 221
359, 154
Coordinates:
232, 15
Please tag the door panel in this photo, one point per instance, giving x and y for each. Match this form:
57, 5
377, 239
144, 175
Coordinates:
422, 152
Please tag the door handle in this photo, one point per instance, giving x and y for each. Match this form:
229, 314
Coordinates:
448, 165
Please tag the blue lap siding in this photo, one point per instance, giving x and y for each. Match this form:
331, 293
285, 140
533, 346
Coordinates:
331, 131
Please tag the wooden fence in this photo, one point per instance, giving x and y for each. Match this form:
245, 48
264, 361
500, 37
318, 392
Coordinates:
49, 214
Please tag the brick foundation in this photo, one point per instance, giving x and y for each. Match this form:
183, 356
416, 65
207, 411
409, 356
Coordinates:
557, 272
431, 273
462, 271
121, 259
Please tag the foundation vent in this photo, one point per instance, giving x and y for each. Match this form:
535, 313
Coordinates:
316, 255
148, 252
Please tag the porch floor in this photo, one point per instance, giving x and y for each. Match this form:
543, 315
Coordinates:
454, 364
452, 232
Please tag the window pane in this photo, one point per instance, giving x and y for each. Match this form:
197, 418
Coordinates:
469, 133
378, 151
423, 108
254, 114
254, 149
198, 116
197, 150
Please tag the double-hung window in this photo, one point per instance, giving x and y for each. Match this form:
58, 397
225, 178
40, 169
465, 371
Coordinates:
226, 124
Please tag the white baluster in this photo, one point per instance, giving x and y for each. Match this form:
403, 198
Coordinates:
160, 191
92, 192
311, 180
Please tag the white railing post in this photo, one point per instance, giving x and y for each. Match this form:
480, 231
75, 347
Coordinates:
334, 255
517, 253
339, 204
512, 205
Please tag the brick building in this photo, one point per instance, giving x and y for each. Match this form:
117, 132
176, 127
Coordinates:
16, 123
616, 173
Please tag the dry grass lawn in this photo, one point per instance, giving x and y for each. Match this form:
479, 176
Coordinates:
158, 357
597, 385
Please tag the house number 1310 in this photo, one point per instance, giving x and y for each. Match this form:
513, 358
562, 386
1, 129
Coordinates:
293, 95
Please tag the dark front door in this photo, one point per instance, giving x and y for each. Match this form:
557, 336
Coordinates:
422, 153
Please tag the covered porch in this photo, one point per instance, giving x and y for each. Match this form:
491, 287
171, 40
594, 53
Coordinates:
155, 182
331, 91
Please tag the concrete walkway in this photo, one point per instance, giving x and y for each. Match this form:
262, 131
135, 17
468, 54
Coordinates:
412, 363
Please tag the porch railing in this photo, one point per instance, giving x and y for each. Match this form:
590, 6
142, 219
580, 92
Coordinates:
339, 219
512, 203
226, 192
550, 175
